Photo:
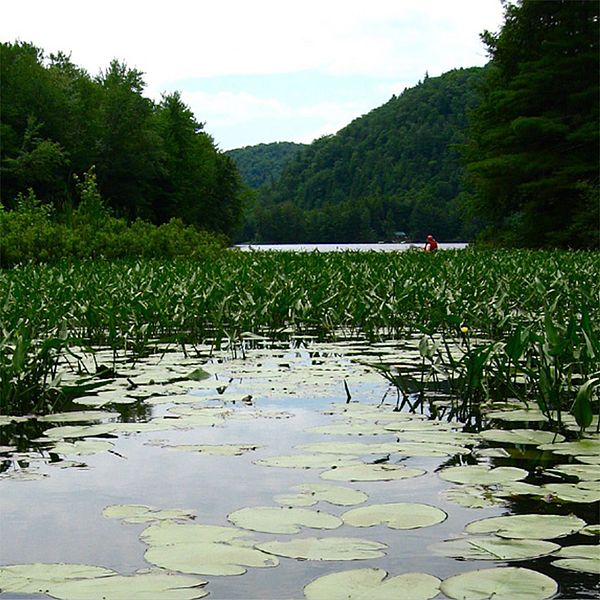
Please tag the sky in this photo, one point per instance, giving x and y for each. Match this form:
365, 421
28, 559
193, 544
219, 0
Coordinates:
260, 71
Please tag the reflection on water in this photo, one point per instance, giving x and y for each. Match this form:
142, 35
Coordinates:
58, 517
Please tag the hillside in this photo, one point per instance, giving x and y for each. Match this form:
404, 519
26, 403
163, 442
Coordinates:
263, 163
395, 168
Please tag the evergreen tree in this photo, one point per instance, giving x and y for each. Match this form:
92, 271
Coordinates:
533, 142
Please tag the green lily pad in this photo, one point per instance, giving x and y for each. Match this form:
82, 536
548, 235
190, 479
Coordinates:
311, 493
589, 459
142, 586
279, 519
371, 472
167, 533
214, 449
521, 436
398, 515
472, 497
494, 548
208, 558
583, 447
331, 548
139, 513
405, 449
357, 428
78, 416
585, 472
81, 447
534, 527
373, 584
591, 530
502, 583
584, 558
307, 461
568, 492
527, 415
583, 565
37, 577
482, 474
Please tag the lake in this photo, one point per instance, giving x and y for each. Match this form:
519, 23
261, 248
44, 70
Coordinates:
266, 430
347, 247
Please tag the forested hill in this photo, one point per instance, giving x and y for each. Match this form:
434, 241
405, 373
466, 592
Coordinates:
395, 168
263, 163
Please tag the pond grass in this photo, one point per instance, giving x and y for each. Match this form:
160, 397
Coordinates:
525, 323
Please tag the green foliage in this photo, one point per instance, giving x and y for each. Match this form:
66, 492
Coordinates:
533, 142
494, 325
263, 163
395, 168
152, 161
31, 233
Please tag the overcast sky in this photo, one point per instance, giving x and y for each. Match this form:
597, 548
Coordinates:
264, 70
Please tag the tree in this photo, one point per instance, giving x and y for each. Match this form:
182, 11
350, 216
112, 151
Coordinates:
532, 152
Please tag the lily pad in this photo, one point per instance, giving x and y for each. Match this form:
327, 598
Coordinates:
583, 447
591, 530
585, 472
208, 558
311, 493
139, 513
502, 583
214, 449
168, 533
142, 586
398, 515
472, 497
81, 447
521, 436
568, 492
78, 416
37, 577
583, 558
371, 472
532, 526
482, 474
374, 584
494, 548
278, 519
331, 548
524, 414
405, 449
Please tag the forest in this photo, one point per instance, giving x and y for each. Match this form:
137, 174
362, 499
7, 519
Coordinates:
152, 161
506, 154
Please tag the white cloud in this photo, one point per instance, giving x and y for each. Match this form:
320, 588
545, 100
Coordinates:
184, 40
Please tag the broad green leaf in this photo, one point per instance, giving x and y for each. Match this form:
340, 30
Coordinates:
372, 584
399, 515
37, 577
311, 493
568, 492
168, 533
521, 436
584, 447
502, 583
494, 548
330, 548
142, 586
140, 513
482, 474
532, 526
280, 519
472, 497
584, 472
583, 565
208, 558
371, 472
81, 447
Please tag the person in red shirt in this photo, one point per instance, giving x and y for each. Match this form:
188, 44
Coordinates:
430, 245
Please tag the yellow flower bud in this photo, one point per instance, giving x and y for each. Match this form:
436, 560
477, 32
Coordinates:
464, 329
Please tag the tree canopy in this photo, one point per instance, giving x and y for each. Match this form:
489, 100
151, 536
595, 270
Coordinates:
533, 143
152, 160
396, 168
